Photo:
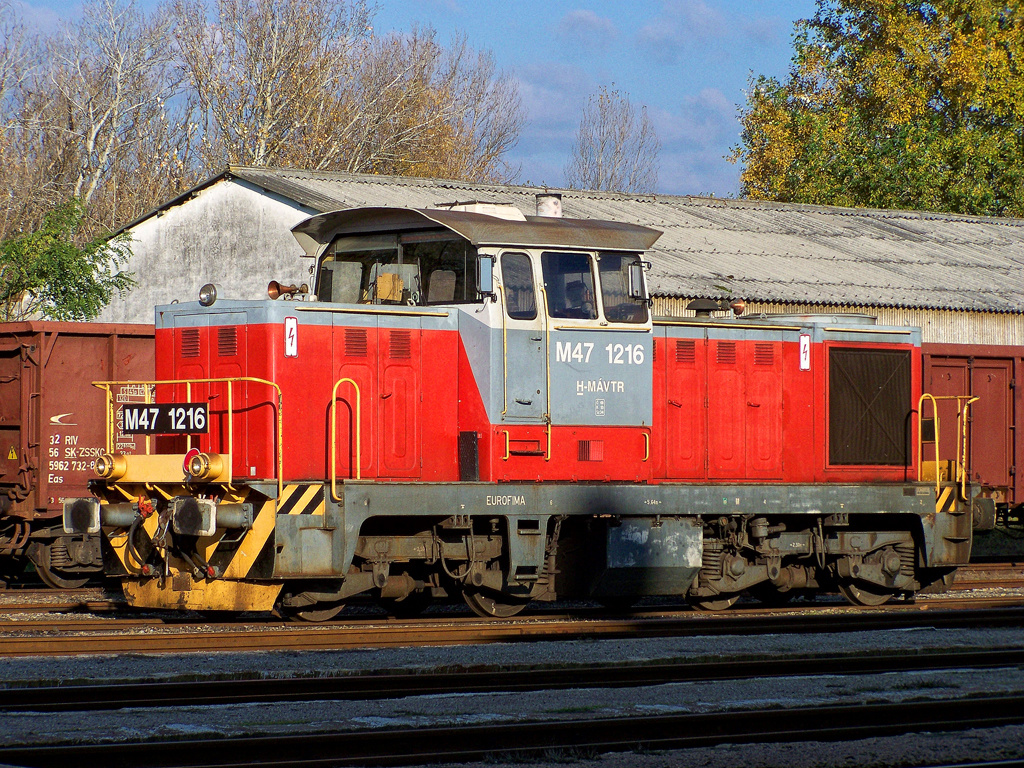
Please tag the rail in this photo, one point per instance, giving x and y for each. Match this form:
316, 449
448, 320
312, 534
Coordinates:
334, 434
963, 404
149, 388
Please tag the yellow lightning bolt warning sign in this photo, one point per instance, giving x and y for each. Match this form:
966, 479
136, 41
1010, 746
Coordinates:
12, 455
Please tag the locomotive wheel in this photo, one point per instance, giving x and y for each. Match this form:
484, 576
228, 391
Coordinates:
720, 603
864, 594
53, 577
54, 580
494, 605
317, 613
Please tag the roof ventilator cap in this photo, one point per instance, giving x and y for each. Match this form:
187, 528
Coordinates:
549, 204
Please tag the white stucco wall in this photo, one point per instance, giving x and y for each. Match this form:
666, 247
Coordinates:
231, 233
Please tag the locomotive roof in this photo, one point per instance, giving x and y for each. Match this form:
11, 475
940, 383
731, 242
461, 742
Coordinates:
479, 229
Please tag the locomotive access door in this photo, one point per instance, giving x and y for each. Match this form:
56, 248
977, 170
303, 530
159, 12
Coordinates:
400, 388
523, 368
744, 407
724, 410
385, 363
686, 416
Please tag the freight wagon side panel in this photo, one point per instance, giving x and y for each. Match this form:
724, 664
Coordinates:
990, 375
52, 422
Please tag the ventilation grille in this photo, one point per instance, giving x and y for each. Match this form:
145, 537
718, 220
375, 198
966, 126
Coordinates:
190, 342
764, 353
591, 450
401, 345
227, 342
726, 352
355, 342
686, 351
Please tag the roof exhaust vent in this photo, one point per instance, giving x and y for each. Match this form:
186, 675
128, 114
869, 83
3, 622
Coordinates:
549, 204
703, 307
497, 210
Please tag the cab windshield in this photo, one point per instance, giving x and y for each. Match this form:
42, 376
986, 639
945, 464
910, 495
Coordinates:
569, 284
416, 269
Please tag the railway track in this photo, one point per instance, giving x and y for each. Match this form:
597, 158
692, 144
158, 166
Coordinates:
161, 693
535, 738
111, 636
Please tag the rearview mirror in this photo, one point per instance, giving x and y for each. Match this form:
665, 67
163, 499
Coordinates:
485, 276
637, 283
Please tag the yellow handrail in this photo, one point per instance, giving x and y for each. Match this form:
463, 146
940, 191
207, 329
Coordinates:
107, 386
962, 424
334, 434
920, 438
963, 403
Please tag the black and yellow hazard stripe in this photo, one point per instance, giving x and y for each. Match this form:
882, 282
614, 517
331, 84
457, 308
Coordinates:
302, 500
946, 500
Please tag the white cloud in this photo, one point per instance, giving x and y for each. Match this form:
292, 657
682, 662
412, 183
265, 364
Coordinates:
553, 94
685, 26
587, 30
694, 140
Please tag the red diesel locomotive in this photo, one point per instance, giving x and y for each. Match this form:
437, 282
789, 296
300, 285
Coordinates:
480, 404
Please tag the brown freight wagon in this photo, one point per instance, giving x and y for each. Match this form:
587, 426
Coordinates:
994, 443
51, 432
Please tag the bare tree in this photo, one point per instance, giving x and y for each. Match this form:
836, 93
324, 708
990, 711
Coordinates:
305, 83
265, 76
16, 66
421, 109
615, 149
14, 54
110, 79
122, 111
78, 110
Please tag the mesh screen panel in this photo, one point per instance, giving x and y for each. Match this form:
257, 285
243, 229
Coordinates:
869, 404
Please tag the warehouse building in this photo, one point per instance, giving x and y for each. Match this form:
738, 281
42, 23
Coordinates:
958, 278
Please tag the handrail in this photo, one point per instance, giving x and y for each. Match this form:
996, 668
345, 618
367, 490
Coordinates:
107, 386
504, 354
920, 438
369, 311
962, 424
334, 434
547, 365
963, 404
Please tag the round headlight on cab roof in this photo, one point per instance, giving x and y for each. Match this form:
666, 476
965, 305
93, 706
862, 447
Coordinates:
208, 294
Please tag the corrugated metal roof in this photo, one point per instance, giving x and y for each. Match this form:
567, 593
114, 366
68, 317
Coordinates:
761, 251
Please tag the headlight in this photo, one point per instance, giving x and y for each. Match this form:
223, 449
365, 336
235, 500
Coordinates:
111, 467
205, 466
208, 294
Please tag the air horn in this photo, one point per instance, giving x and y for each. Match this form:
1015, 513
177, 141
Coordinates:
275, 290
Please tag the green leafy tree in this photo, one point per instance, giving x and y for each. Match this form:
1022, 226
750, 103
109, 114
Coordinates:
894, 105
47, 273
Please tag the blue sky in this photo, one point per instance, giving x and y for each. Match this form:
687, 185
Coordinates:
688, 61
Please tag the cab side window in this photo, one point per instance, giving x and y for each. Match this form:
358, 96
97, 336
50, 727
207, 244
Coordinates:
517, 280
569, 282
618, 306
